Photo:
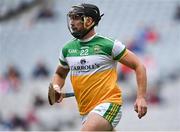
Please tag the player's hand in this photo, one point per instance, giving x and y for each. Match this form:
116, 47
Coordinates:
54, 94
140, 106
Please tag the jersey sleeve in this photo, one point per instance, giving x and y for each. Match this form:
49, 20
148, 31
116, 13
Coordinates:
119, 50
62, 60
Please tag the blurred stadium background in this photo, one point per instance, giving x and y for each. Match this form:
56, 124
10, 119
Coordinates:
33, 31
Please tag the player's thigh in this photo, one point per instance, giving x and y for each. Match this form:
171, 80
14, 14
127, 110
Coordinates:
95, 122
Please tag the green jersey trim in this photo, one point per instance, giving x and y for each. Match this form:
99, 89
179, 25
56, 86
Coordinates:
63, 63
120, 55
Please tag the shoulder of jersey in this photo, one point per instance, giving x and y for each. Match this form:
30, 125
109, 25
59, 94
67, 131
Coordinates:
104, 38
70, 42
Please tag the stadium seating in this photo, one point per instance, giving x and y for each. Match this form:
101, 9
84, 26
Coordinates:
24, 40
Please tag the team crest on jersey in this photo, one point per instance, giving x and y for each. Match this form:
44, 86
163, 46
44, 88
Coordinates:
97, 49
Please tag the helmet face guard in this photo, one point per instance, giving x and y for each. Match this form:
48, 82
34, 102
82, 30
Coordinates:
77, 33
81, 13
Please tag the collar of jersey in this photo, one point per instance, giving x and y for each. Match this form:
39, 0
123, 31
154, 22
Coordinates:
88, 39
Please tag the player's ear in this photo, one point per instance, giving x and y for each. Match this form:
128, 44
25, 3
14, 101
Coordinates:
88, 21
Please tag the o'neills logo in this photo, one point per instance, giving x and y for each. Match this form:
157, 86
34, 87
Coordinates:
85, 68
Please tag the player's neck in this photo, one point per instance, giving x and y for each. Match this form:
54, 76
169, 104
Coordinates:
89, 35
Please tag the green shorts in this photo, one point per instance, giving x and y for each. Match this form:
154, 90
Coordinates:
109, 111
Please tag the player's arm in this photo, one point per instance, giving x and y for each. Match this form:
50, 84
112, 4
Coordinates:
60, 76
133, 62
54, 93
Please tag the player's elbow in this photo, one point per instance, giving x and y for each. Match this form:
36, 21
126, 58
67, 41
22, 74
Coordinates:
139, 66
